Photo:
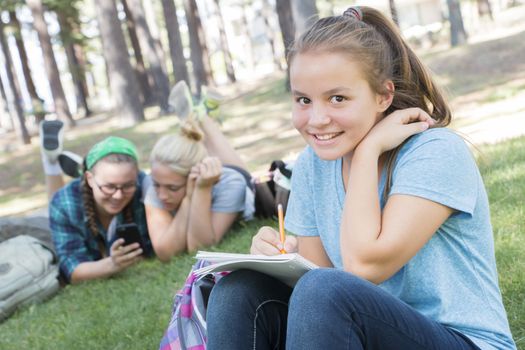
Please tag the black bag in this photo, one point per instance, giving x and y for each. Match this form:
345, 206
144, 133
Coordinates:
268, 193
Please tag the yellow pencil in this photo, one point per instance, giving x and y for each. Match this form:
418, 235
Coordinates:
281, 226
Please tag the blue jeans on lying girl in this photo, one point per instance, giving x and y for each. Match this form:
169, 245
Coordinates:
327, 309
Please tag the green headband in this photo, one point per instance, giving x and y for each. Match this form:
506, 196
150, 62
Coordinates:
110, 145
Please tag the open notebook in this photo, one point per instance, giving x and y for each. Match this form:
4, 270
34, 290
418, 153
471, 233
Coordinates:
286, 267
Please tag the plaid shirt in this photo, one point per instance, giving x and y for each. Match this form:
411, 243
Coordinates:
74, 241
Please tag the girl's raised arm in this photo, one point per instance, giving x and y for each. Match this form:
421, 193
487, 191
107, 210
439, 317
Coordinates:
375, 244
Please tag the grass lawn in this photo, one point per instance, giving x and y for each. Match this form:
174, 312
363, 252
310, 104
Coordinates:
503, 170
132, 310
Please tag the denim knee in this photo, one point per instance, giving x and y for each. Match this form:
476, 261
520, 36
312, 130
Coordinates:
232, 289
252, 306
326, 288
245, 289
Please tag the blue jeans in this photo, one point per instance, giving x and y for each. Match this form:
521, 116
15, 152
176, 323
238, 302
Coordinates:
328, 309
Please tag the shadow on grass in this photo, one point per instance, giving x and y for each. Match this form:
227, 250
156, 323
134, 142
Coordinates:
473, 67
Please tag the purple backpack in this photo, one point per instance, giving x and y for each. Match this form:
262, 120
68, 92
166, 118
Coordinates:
187, 327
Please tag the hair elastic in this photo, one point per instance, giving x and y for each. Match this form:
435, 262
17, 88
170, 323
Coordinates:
354, 12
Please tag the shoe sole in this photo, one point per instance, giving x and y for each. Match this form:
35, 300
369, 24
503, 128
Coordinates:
50, 131
180, 100
70, 163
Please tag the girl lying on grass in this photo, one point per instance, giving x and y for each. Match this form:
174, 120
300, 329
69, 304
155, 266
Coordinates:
84, 214
197, 188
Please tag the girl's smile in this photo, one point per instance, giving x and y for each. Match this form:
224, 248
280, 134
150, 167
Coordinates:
334, 106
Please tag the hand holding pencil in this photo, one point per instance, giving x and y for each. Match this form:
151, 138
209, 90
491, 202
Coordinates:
269, 241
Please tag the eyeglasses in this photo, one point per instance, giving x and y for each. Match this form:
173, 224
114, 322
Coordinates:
111, 189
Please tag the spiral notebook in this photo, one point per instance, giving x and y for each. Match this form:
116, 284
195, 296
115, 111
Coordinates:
286, 267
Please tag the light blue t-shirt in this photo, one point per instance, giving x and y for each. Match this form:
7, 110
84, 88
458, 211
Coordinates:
230, 195
453, 278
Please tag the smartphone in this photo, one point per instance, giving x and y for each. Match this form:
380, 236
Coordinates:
130, 233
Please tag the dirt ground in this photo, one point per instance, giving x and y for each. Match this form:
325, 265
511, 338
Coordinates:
485, 81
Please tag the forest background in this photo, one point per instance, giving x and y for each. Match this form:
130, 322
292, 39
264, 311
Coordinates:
105, 67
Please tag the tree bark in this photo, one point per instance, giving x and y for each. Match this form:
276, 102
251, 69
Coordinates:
393, 11
246, 29
17, 111
305, 13
36, 101
59, 98
225, 47
152, 21
484, 8
144, 77
6, 120
458, 35
286, 22
178, 61
76, 70
122, 80
162, 85
265, 13
198, 48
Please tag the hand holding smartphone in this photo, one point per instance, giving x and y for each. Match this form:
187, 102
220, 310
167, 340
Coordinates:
130, 233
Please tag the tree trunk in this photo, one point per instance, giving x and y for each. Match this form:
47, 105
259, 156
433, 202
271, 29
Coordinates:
6, 120
458, 35
162, 85
17, 111
286, 22
122, 80
81, 59
225, 47
265, 13
484, 8
178, 61
305, 13
246, 29
393, 11
152, 21
198, 48
144, 77
59, 98
77, 74
36, 101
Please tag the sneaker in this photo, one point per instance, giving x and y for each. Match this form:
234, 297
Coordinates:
70, 163
51, 135
211, 99
180, 100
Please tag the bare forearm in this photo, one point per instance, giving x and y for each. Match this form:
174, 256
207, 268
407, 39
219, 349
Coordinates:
200, 228
361, 221
173, 238
93, 270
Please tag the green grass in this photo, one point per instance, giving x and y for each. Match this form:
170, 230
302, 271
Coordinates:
132, 310
503, 169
